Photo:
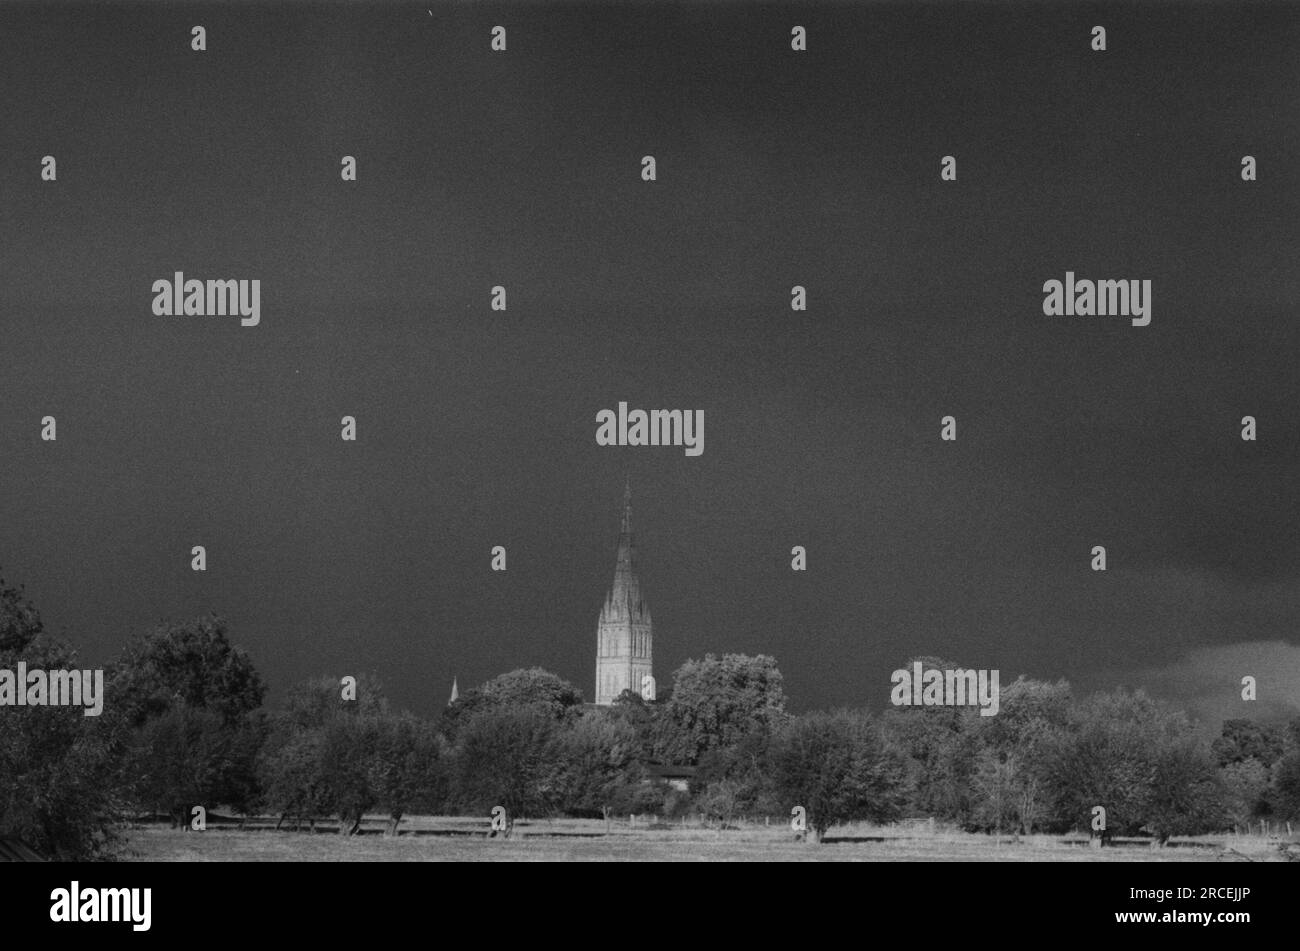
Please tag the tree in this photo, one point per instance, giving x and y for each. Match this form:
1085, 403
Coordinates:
190, 700
998, 786
719, 801
289, 771
1291, 735
1243, 739
311, 702
942, 749
534, 687
838, 767
530, 687
1104, 760
1186, 795
718, 700
745, 769
1245, 789
1140, 761
190, 662
1286, 787
644, 718
1010, 777
597, 756
941, 757
187, 757
56, 764
406, 768
324, 753
20, 622
508, 757
347, 764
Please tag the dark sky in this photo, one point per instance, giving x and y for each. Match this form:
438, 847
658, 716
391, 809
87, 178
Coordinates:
775, 168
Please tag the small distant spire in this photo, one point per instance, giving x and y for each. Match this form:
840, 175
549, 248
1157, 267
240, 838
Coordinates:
627, 505
454, 692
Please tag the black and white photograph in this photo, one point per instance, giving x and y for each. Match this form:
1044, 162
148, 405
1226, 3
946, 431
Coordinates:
358, 506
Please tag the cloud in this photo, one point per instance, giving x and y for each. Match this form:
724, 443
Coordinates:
1207, 682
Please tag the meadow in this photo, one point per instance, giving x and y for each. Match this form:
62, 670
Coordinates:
443, 839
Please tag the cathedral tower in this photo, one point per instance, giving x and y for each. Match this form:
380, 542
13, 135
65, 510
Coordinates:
623, 634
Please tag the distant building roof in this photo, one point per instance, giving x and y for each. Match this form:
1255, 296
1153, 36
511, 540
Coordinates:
663, 771
16, 850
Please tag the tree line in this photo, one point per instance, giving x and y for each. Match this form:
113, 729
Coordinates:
185, 725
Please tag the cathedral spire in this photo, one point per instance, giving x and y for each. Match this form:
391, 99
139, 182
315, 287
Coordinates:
626, 593
627, 505
624, 633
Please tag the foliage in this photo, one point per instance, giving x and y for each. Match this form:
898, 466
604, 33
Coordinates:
328, 755
717, 701
746, 769
1245, 788
1011, 780
1187, 797
191, 663
57, 791
190, 701
838, 767
531, 687
406, 771
185, 727
1138, 759
20, 622
597, 763
940, 758
1286, 787
188, 756
508, 757
1242, 739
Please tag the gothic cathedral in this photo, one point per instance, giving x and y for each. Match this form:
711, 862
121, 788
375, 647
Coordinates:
623, 635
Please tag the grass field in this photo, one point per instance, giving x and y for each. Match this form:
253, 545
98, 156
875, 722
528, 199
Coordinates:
429, 839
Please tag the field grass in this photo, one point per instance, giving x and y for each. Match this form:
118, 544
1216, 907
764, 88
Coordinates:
437, 839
